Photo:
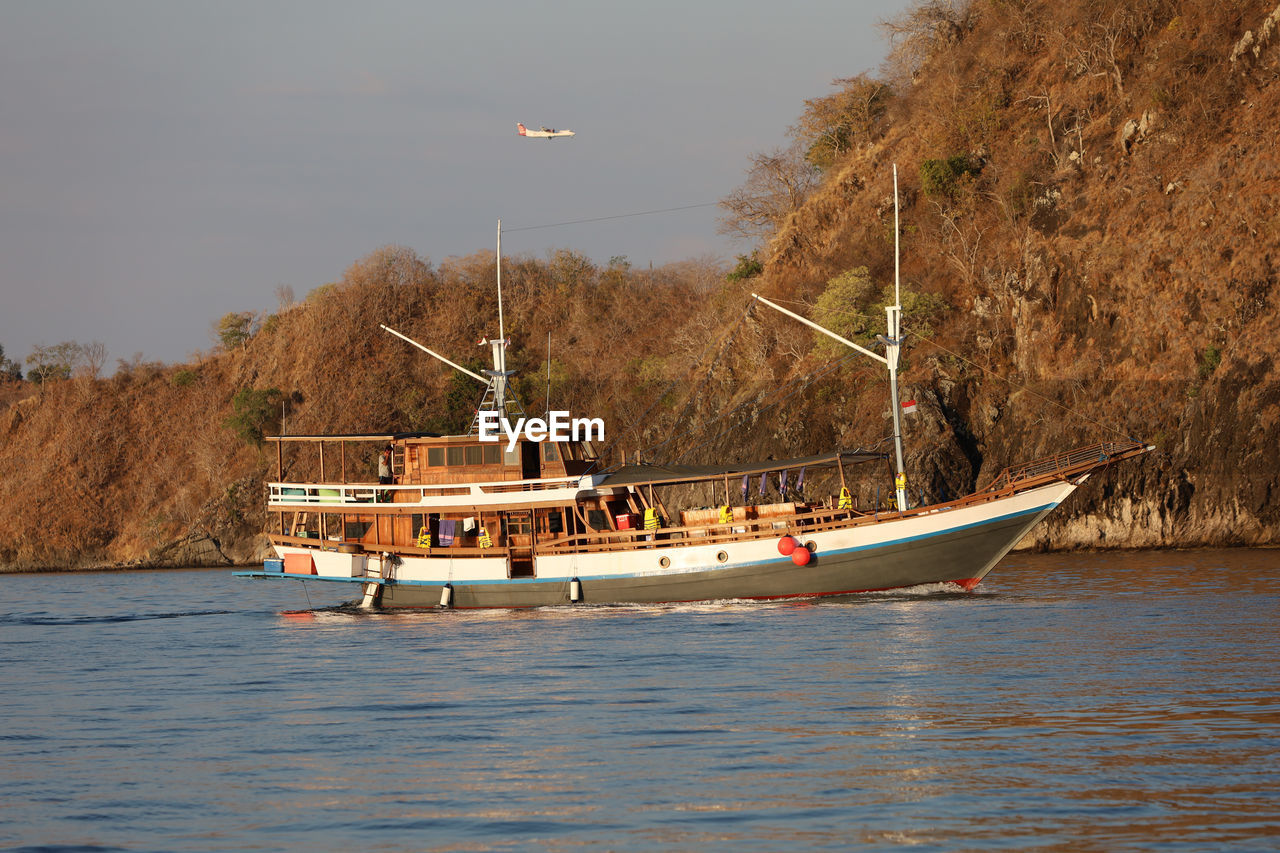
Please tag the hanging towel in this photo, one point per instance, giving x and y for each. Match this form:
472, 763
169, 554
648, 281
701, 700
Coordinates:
746, 486
468, 524
782, 483
447, 527
764, 484
800, 483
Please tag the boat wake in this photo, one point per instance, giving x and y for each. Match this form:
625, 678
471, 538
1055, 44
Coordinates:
353, 610
38, 619
920, 590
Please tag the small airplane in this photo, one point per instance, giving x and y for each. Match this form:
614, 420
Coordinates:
545, 133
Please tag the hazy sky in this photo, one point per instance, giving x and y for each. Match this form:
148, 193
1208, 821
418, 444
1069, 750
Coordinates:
163, 163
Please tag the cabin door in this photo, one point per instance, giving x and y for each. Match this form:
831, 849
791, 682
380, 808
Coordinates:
530, 460
519, 531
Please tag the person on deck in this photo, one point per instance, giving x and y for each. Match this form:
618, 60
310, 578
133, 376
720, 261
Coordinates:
384, 467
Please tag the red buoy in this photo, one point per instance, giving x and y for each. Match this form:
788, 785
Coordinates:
801, 556
786, 545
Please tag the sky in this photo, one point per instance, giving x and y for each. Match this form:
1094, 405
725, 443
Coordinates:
163, 163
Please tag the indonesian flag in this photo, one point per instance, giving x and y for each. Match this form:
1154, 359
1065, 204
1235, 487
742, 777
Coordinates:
909, 407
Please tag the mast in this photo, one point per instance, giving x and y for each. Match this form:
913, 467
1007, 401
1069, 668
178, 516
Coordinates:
892, 348
498, 375
502, 334
892, 342
495, 396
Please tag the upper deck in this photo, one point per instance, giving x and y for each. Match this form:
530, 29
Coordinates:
427, 459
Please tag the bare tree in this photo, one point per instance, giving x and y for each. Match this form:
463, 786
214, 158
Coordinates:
777, 184
284, 297
922, 31
92, 357
833, 125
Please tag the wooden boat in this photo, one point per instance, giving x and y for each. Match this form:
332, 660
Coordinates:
470, 523
466, 527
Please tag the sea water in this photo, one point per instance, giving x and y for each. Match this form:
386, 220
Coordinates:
1114, 701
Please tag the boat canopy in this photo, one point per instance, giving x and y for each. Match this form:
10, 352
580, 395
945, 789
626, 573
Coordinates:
384, 436
653, 473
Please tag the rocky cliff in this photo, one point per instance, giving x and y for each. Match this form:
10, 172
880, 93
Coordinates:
1089, 251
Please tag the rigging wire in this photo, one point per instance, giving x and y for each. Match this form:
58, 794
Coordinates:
673, 382
614, 216
1022, 387
1018, 385
916, 335
808, 378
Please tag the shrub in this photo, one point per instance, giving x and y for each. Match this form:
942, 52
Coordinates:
844, 309
253, 410
234, 329
942, 177
749, 266
1209, 361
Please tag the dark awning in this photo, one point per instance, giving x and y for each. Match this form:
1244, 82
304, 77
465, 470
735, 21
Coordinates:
639, 475
388, 436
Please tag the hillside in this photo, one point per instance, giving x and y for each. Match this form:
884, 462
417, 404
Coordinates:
1091, 188
1089, 250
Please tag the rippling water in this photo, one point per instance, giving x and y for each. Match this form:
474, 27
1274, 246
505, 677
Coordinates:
1084, 702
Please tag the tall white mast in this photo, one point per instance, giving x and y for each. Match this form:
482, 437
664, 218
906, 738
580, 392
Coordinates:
495, 398
502, 332
499, 373
894, 318
892, 343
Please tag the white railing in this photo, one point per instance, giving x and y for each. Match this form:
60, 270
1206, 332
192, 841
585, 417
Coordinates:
345, 494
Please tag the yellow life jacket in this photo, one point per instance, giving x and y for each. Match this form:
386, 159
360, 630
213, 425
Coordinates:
900, 481
846, 500
651, 519
485, 541
424, 537
726, 514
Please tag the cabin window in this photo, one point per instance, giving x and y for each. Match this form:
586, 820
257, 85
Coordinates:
517, 524
596, 519
435, 456
354, 531
492, 454
555, 521
549, 452
475, 455
456, 456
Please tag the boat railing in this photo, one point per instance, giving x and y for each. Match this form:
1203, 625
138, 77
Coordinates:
297, 495
813, 519
808, 520
1067, 465
359, 547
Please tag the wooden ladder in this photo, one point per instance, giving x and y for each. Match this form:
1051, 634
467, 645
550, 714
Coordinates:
372, 588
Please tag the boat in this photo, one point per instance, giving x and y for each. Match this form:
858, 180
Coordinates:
537, 519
